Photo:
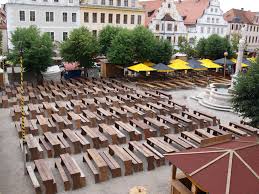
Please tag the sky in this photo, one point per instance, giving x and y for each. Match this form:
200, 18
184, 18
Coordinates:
252, 5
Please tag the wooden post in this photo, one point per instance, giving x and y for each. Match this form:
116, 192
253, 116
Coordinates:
174, 169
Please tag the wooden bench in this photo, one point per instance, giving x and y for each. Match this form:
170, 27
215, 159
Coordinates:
148, 130
54, 142
100, 164
132, 112
161, 127
93, 119
145, 152
112, 164
123, 156
214, 119
137, 163
46, 176
74, 171
183, 107
147, 111
59, 120
36, 152
187, 123
113, 133
34, 179
178, 141
195, 138
233, 130
203, 133
214, 130
246, 128
133, 133
65, 147
75, 119
43, 122
118, 112
170, 107
158, 108
162, 145
47, 147
84, 143
92, 168
74, 139
106, 115
34, 130
61, 106
98, 139
201, 121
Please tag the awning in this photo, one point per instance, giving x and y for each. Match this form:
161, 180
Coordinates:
179, 64
243, 64
162, 68
140, 67
209, 64
196, 65
222, 61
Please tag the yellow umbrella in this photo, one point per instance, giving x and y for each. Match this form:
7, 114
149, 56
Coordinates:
252, 59
140, 67
148, 63
179, 64
235, 61
209, 64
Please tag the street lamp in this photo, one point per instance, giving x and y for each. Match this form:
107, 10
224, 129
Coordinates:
225, 62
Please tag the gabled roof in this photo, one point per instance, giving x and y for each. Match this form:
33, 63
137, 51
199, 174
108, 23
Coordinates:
239, 16
191, 10
226, 168
150, 8
167, 17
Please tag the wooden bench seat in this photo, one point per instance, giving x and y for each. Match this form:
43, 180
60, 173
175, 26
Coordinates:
214, 119
98, 139
165, 147
161, 127
35, 150
34, 130
84, 143
133, 133
67, 148
76, 120
159, 158
233, 130
174, 138
65, 180
59, 120
203, 133
195, 138
92, 168
34, 180
246, 128
47, 147
112, 164
74, 139
137, 163
184, 122
147, 129
112, 132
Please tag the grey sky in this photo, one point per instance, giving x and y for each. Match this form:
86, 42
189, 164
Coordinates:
252, 5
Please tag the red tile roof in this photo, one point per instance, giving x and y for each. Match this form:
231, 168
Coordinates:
231, 167
239, 16
150, 8
2, 19
191, 10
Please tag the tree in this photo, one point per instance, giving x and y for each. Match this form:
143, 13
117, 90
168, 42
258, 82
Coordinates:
143, 41
81, 46
246, 94
186, 47
106, 36
216, 46
162, 51
37, 50
235, 41
122, 49
200, 48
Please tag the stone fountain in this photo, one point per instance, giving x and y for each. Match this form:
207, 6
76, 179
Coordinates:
218, 96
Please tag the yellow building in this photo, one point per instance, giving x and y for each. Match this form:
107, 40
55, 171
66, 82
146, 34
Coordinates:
96, 14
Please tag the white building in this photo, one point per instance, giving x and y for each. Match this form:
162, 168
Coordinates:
57, 17
202, 18
163, 19
250, 20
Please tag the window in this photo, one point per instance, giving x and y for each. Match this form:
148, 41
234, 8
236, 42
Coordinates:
169, 38
208, 19
139, 19
125, 19
169, 6
174, 39
52, 36
217, 20
56, 1
73, 17
211, 9
94, 17
163, 27
169, 27
118, 18
126, 3
213, 20
133, 3
132, 19
208, 30
94, 1
65, 36
232, 26
213, 30
110, 2
102, 18
175, 28
86, 17
118, 2
202, 29
249, 39
64, 17
251, 28
49, 16
70, 1
103, 2
157, 27
32, 16
216, 10
217, 30
22, 15
222, 30
110, 18
95, 33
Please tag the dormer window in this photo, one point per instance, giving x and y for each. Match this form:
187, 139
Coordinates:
169, 5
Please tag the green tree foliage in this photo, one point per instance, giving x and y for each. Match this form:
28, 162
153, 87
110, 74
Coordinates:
81, 46
235, 41
37, 49
122, 49
143, 41
186, 47
214, 47
106, 36
246, 94
162, 51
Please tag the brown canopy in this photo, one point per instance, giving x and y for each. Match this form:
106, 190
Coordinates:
227, 168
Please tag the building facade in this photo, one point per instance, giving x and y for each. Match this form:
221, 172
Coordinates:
3, 31
237, 19
56, 17
202, 18
163, 19
96, 14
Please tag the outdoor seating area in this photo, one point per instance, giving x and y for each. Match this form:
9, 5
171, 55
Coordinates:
113, 128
